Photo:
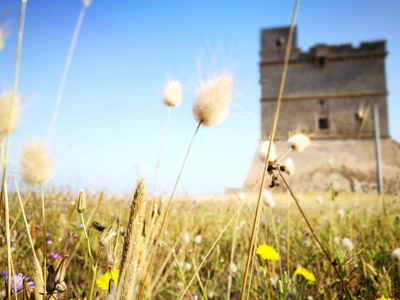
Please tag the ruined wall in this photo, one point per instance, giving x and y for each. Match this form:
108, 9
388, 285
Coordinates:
329, 90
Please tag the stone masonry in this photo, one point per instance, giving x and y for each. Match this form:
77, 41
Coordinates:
329, 93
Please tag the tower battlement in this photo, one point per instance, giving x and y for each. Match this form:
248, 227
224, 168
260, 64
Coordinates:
329, 89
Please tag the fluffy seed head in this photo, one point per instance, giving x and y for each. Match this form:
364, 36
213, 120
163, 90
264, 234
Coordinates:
36, 165
197, 239
299, 142
263, 150
10, 111
268, 200
211, 104
173, 94
232, 268
395, 256
289, 166
86, 3
347, 244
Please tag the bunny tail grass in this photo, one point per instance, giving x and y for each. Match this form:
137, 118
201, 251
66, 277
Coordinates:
133, 244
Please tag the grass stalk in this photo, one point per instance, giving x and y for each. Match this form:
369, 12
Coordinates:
23, 205
272, 136
64, 76
8, 236
167, 212
25, 221
4, 194
158, 165
344, 285
216, 242
44, 239
383, 279
228, 293
94, 269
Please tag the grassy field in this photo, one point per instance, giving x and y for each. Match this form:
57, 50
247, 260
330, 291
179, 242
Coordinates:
370, 222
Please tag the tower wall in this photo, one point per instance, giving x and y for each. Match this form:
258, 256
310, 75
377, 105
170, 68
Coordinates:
329, 90
329, 93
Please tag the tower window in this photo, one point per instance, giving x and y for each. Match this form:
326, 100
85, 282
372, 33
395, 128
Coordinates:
280, 41
323, 123
321, 61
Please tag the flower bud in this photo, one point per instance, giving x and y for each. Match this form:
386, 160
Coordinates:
81, 202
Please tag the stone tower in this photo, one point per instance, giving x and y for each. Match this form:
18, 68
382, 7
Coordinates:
329, 93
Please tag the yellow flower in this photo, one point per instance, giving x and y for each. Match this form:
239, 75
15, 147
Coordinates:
104, 280
267, 252
306, 274
384, 298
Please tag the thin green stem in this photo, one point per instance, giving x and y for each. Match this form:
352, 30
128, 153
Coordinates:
167, 212
158, 166
25, 221
216, 241
344, 285
7, 221
276, 241
45, 240
94, 269
87, 239
383, 279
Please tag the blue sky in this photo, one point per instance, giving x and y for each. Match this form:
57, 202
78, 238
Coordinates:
111, 116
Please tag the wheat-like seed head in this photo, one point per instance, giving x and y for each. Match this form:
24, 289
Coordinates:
10, 111
36, 165
173, 94
211, 104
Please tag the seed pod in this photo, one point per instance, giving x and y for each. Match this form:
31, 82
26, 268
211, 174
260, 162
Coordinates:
107, 236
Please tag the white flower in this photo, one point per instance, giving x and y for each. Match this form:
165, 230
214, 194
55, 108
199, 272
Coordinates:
289, 165
186, 238
263, 151
197, 239
211, 294
395, 256
340, 213
179, 284
268, 200
299, 142
211, 104
336, 240
188, 266
320, 199
233, 268
242, 196
347, 244
173, 94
